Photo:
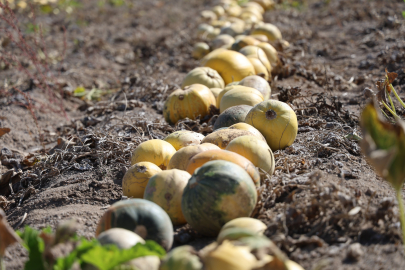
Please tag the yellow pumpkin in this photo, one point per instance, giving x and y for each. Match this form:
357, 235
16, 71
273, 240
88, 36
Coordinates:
251, 129
234, 10
231, 65
223, 137
269, 30
249, 19
270, 52
166, 189
276, 121
253, 12
240, 95
243, 42
205, 76
183, 138
257, 53
181, 158
219, 11
195, 100
260, 38
266, 4
156, 151
137, 177
216, 92
254, 5
213, 34
200, 50
233, 30
220, 24
229, 87
204, 29
252, 224
260, 69
257, 83
255, 150
208, 15
222, 41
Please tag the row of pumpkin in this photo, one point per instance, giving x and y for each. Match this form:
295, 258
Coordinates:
210, 182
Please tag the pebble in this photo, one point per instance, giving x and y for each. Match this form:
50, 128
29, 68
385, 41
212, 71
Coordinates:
354, 251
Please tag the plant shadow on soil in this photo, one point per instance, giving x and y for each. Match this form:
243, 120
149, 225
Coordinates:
323, 198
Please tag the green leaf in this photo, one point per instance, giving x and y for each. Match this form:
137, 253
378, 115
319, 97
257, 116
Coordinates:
35, 246
108, 257
384, 145
79, 92
66, 263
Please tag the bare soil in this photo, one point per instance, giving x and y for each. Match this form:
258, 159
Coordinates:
325, 207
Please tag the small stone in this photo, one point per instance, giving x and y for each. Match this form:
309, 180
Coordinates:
354, 251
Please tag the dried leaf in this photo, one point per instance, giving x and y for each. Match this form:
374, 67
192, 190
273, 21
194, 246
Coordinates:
7, 234
391, 76
4, 131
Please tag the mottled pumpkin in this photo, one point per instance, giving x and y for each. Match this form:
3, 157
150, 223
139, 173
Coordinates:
222, 137
194, 101
240, 95
231, 116
200, 159
181, 158
182, 138
156, 151
257, 83
137, 177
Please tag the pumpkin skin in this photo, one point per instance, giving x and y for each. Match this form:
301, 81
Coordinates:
195, 100
255, 150
276, 121
137, 177
216, 91
204, 29
252, 224
254, 5
200, 50
205, 76
269, 30
222, 41
231, 116
183, 138
200, 159
166, 189
216, 193
251, 129
260, 69
243, 42
181, 258
229, 87
119, 237
271, 53
257, 53
260, 38
223, 137
232, 66
208, 15
240, 95
156, 151
181, 158
143, 217
257, 83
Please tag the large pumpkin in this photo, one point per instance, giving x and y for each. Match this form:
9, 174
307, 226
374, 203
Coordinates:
269, 30
228, 88
223, 137
145, 218
255, 150
195, 100
216, 193
216, 91
257, 83
205, 76
200, 159
181, 158
276, 121
231, 116
240, 95
260, 69
271, 53
137, 177
166, 189
182, 138
231, 65
156, 151
251, 129
257, 53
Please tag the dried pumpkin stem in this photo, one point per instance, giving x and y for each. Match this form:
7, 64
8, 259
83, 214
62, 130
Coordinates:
396, 95
392, 103
389, 109
401, 214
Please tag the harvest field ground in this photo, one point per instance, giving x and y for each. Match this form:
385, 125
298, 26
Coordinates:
324, 206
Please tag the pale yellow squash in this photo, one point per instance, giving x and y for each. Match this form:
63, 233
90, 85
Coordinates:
240, 95
260, 69
200, 50
216, 92
257, 83
269, 30
271, 53
136, 178
156, 151
205, 76
252, 51
183, 138
247, 127
181, 158
222, 41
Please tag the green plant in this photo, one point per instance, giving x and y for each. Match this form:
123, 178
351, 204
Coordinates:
384, 146
384, 95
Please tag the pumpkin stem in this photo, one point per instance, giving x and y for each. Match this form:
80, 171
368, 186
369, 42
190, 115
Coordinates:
270, 115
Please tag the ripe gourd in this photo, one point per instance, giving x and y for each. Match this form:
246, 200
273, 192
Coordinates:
216, 91
231, 116
166, 189
252, 224
192, 102
119, 237
243, 42
270, 52
181, 158
276, 121
247, 127
137, 177
182, 138
181, 258
257, 83
240, 95
156, 151
260, 69
200, 50
223, 137
231, 65
205, 76
260, 38
222, 41
269, 30
257, 53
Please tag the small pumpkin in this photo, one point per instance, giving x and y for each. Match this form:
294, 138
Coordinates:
271, 53
205, 76
234, 10
220, 23
222, 41
181, 158
266, 4
233, 234
260, 69
216, 91
182, 138
156, 151
208, 15
166, 189
257, 83
252, 224
137, 177
228, 87
240, 95
200, 50
231, 116
256, 53
269, 30
181, 258
251, 129
195, 100
243, 42
254, 5
143, 217
204, 29
231, 66
119, 237
223, 137
216, 193
200, 159
276, 121
212, 35
219, 11
260, 38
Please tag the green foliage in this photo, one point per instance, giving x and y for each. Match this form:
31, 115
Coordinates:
35, 246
